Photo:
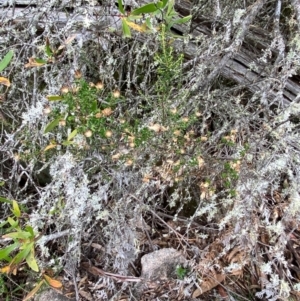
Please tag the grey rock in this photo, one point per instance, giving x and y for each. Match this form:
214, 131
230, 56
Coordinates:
158, 265
161, 264
51, 295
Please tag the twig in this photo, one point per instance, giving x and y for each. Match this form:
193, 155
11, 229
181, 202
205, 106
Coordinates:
96, 271
47, 238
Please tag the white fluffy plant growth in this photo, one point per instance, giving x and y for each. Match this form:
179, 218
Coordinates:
67, 204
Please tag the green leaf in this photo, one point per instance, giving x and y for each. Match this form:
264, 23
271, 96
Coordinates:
6, 60
54, 97
4, 200
182, 20
22, 254
121, 7
170, 9
4, 253
66, 143
48, 50
52, 125
16, 210
31, 261
29, 229
94, 106
72, 135
126, 29
134, 18
165, 2
148, 8
2, 183
3, 224
148, 23
41, 61
17, 235
12, 222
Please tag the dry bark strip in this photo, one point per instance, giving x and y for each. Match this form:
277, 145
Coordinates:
235, 67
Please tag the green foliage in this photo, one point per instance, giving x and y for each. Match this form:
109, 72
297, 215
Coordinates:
3, 287
169, 67
229, 174
181, 272
23, 246
3, 64
6, 60
90, 112
163, 10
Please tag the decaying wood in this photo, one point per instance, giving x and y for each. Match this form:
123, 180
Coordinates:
235, 66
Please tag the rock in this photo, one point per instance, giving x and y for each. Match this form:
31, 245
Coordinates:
161, 264
157, 267
51, 295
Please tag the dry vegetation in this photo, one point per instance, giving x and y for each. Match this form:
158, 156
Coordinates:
184, 138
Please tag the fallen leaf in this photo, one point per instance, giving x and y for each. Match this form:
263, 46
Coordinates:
88, 296
139, 28
34, 62
52, 282
49, 147
208, 283
4, 81
6, 269
68, 41
34, 291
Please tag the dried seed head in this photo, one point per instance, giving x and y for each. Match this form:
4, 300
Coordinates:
75, 89
16, 157
177, 163
169, 161
129, 162
108, 134
88, 133
187, 137
200, 161
62, 122
64, 89
157, 128
131, 139
99, 86
107, 112
47, 110
116, 94
91, 84
177, 133
146, 178
116, 157
78, 74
